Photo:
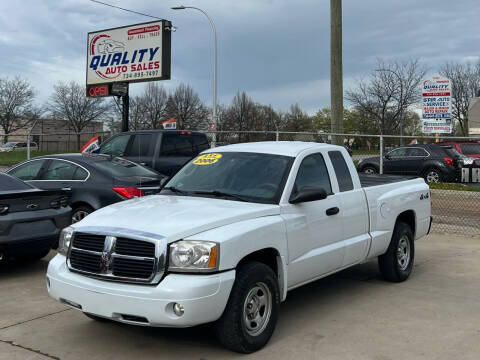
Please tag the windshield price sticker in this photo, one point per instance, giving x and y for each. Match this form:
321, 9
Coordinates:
207, 159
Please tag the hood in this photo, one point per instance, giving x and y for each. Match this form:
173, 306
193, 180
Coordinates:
175, 217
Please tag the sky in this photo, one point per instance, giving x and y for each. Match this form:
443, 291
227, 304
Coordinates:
275, 50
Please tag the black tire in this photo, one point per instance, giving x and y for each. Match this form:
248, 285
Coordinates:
232, 330
95, 317
79, 212
391, 266
370, 170
432, 175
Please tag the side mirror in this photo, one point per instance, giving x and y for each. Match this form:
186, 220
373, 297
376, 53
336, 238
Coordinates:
307, 195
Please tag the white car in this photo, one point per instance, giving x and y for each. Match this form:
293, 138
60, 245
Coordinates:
231, 233
17, 146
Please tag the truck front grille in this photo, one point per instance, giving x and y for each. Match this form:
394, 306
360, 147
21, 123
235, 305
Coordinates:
116, 258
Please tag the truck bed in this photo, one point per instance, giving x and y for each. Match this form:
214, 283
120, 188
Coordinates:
367, 180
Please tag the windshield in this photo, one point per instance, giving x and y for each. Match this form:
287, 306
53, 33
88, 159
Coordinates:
234, 176
119, 167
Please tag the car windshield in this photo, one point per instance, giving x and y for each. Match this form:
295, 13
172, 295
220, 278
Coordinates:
119, 167
234, 176
8, 145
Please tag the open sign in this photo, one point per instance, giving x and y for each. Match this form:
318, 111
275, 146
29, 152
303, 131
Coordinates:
97, 90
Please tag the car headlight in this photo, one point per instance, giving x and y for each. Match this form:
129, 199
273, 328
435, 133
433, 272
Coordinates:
64, 241
193, 256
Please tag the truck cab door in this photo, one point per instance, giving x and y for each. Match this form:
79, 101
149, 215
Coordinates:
141, 148
314, 229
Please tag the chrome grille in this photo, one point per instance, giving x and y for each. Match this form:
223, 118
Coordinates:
116, 258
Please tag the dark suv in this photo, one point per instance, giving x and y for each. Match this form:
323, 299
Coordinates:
435, 163
163, 150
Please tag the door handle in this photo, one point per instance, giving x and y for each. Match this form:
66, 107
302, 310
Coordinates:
332, 211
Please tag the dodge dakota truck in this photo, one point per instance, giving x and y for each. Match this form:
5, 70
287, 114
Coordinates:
231, 233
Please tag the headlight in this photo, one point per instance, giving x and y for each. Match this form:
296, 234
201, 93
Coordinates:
64, 241
193, 256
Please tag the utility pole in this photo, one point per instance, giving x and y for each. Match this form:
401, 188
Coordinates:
125, 111
336, 76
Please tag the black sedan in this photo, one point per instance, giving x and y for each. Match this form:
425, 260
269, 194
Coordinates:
30, 219
95, 180
434, 163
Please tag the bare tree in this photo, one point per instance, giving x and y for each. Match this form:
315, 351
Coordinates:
465, 80
297, 120
388, 94
69, 102
153, 104
185, 106
16, 105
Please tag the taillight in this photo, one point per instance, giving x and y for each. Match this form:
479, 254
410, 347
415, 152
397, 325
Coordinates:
448, 161
128, 191
183, 132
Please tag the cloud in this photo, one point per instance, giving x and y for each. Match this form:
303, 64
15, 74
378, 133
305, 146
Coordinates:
275, 50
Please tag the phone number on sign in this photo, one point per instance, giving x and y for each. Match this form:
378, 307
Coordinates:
140, 74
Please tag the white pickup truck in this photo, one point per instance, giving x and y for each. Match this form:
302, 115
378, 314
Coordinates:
231, 233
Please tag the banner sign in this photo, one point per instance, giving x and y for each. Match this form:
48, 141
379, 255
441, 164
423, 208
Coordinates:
437, 126
170, 124
437, 105
132, 53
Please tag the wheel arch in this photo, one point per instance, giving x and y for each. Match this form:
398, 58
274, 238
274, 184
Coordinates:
408, 217
272, 258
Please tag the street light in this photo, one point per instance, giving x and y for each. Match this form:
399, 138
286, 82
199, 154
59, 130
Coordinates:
214, 110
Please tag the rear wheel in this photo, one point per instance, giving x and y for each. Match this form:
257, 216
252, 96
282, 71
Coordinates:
370, 170
80, 212
432, 176
396, 264
250, 316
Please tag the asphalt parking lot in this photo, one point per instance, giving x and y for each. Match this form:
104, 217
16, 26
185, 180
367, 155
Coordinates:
351, 315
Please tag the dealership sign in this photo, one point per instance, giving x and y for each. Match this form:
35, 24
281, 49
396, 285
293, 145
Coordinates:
436, 105
132, 53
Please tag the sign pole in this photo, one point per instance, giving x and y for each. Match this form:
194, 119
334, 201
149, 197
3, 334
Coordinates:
125, 111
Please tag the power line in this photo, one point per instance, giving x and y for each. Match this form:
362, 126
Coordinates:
124, 9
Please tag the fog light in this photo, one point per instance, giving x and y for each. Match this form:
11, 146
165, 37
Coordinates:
178, 309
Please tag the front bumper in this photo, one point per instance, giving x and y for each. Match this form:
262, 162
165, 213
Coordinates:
203, 297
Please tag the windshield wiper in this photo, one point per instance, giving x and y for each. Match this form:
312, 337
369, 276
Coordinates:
175, 190
217, 193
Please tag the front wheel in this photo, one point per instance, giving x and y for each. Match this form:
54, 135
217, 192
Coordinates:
370, 170
396, 264
250, 316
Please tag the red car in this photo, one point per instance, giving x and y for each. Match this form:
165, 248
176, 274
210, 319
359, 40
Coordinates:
471, 149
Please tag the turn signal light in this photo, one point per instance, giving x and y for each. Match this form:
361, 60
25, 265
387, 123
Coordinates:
128, 192
448, 161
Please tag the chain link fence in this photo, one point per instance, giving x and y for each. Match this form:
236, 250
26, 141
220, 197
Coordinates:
455, 205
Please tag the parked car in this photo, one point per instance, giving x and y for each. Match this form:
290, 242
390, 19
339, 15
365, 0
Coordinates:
435, 163
165, 151
470, 149
18, 146
231, 233
30, 219
95, 180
